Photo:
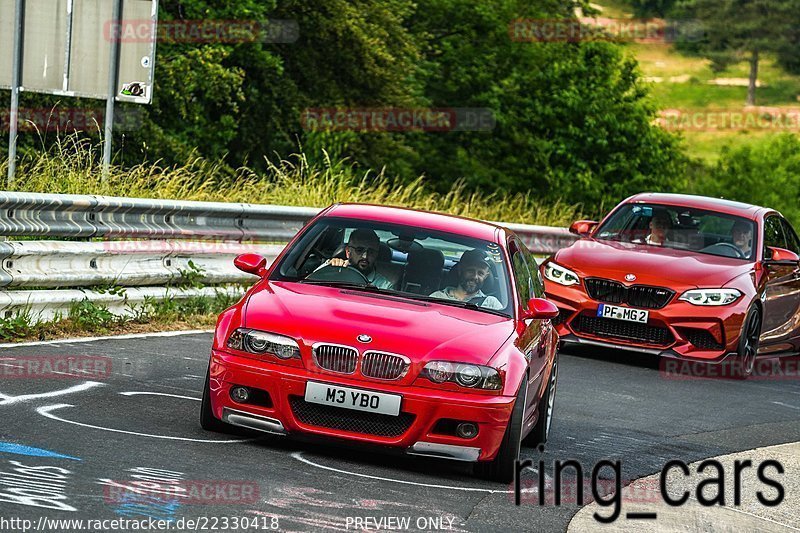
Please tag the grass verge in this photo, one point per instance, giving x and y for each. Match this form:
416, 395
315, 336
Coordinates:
87, 318
71, 167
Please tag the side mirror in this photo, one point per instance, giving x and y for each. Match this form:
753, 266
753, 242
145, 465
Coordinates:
781, 255
583, 228
252, 264
540, 309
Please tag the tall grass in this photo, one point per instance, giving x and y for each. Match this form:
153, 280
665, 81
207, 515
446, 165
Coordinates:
71, 167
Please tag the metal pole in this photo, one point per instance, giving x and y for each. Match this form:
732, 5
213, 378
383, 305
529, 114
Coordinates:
16, 81
113, 75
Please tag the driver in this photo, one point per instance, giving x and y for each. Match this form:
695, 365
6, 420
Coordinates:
742, 234
473, 270
362, 254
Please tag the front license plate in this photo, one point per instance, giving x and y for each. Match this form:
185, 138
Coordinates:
358, 399
623, 313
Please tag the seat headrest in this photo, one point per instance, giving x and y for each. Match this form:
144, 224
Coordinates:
385, 253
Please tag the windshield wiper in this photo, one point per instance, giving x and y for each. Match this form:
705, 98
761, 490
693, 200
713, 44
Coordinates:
349, 285
459, 303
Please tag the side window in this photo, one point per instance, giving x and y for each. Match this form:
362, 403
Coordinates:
522, 277
792, 242
773, 234
537, 284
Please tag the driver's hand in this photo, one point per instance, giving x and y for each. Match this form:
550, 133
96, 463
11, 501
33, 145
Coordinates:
337, 262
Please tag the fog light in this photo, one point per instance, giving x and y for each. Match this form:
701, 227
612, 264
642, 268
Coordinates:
240, 394
467, 430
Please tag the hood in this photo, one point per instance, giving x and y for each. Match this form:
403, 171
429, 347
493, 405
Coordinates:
422, 331
651, 265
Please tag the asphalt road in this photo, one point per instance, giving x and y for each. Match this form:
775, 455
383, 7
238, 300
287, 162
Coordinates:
139, 424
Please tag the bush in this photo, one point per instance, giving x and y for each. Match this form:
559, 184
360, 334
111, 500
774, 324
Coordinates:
765, 173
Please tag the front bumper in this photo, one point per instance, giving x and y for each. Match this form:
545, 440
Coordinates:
413, 431
679, 329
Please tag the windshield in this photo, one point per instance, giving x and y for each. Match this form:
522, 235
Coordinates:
681, 228
400, 260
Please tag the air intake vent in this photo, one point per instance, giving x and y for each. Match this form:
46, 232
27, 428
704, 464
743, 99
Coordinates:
381, 365
642, 296
340, 359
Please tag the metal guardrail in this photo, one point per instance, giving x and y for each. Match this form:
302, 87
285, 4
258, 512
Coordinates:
51, 264
66, 215
219, 232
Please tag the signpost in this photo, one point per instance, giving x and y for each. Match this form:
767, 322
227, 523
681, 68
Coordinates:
75, 48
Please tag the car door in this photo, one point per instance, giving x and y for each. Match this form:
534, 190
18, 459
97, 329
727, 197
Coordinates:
529, 331
793, 244
782, 295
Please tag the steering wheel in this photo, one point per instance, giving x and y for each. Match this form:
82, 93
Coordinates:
343, 274
726, 246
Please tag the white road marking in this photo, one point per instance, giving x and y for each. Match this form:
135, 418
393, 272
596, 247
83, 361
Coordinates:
7, 400
787, 405
111, 337
46, 411
136, 393
299, 457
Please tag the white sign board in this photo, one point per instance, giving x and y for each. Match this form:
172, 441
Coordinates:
67, 44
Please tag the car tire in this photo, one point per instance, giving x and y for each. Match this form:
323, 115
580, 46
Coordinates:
747, 350
208, 421
541, 430
501, 468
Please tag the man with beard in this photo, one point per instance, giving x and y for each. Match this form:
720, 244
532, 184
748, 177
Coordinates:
362, 254
473, 270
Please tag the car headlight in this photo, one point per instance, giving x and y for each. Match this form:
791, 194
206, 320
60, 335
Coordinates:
559, 274
711, 296
464, 374
261, 342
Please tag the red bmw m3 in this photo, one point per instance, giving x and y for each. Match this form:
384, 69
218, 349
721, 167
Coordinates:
687, 277
418, 331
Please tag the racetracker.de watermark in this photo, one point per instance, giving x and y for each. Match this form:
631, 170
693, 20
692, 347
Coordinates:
398, 119
50, 119
775, 369
581, 29
202, 31
56, 366
772, 119
192, 492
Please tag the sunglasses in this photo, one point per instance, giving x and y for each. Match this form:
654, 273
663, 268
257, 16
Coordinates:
362, 250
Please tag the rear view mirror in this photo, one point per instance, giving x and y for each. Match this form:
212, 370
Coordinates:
540, 309
781, 255
583, 227
252, 264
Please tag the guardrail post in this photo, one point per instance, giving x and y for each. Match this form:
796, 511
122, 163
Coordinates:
113, 78
16, 82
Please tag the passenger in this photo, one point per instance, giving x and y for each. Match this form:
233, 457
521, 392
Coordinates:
362, 254
473, 270
742, 234
660, 224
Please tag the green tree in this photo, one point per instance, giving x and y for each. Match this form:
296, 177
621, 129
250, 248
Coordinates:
739, 30
652, 8
572, 119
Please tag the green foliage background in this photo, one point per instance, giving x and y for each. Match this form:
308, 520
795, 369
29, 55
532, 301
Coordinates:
573, 120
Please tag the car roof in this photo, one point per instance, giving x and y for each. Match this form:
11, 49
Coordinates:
720, 205
417, 218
